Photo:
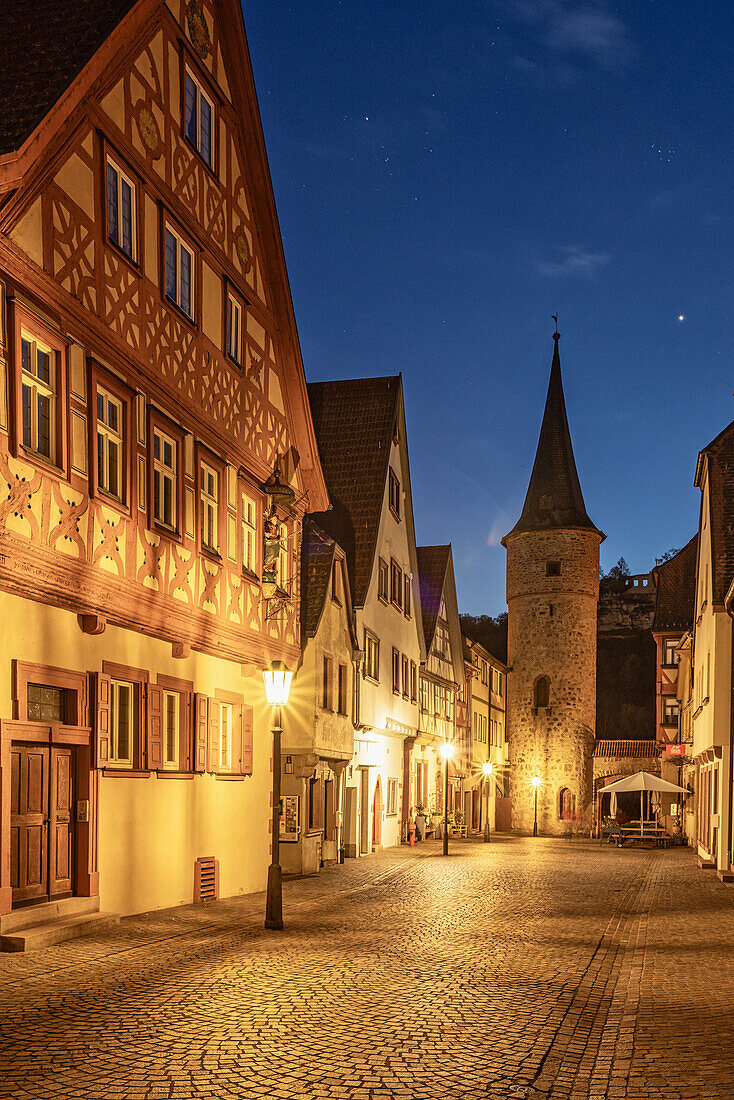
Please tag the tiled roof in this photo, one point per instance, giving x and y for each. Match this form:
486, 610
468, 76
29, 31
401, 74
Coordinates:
432, 563
355, 421
554, 498
317, 556
44, 45
720, 454
676, 590
627, 748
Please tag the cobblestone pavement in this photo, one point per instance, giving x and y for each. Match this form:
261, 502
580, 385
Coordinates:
521, 969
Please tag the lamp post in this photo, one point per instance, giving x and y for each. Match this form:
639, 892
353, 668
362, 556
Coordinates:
447, 751
536, 782
277, 685
488, 769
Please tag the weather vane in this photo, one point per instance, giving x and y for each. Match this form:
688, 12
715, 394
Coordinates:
556, 334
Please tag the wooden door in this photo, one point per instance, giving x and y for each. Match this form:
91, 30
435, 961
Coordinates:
29, 783
60, 823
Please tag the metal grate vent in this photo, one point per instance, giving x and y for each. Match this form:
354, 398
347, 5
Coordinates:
206, 879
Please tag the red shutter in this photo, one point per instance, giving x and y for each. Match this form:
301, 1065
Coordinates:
103, 716
186, 738
247, 740
201, 719
237, 740
155, 727
213, 736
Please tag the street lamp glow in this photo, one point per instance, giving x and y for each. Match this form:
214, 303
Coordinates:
446, 750
536, 782
277, 684
488, 767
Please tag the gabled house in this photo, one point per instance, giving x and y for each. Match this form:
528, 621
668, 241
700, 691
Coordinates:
675, 595
318, 738
487, 708
154, 429
440, 680
360, 427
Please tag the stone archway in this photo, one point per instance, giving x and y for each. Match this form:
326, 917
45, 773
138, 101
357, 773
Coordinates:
377, 816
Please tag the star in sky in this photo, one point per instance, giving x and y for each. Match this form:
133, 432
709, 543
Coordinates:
681, 316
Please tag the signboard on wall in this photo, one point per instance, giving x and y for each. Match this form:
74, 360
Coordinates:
675, 750
289, 816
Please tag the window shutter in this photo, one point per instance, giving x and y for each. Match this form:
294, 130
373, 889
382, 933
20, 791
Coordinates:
237, 731
155, 727
213, 736
200, 739
247, 740
185, 736
102, 725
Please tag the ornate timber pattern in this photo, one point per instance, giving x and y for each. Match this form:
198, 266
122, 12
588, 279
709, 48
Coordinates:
94, 557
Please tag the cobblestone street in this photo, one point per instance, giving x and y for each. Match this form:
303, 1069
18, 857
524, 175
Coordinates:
526, 968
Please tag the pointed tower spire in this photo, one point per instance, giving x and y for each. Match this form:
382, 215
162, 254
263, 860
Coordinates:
554, 498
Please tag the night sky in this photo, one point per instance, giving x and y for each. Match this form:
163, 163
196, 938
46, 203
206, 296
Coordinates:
448, 175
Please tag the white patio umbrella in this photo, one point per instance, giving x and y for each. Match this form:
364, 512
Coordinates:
643, 781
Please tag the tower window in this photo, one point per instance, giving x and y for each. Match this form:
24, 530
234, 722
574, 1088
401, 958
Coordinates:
541, 695
566, 804
552, 569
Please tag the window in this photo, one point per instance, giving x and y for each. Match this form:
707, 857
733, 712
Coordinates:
394, 494
441, 644
382, 575
671, 708
327, 685
179, 272
484, 672
209, 507
542, 692
395, 671
552, 569
335, 589
392, 797
45, 704
566, 804
225, 737
121, 227
234, 329
396, 584
198, 118
406, 677
171, 708
39, 384
249, 534
342, 689
406, 596
121, 723
109, 444
371, 656
165, 454
413, 682
670, 657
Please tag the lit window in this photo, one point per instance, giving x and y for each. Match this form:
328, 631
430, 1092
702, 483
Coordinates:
225, 737
249, 532
39, 396
109, 444
371, 656
179, 273
164, 479
198, 118
234, 329
171, 707
120, 209
208, 482
671, 707
121, 724
670, 657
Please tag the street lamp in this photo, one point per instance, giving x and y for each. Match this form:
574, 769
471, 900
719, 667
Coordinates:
447, 751
536, 782
488, 770
277, 685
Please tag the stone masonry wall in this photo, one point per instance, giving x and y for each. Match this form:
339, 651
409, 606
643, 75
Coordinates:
551, 632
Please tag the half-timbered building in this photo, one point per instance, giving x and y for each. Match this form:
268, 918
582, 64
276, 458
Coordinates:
156, 455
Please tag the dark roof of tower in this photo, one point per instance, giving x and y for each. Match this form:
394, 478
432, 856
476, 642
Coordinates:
432, 564
44, 45
554, 498
675, 597
355, 421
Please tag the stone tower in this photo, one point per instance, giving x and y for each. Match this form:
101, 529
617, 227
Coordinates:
552, 593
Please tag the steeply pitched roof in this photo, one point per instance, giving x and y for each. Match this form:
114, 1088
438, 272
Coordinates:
635, 749
554, 498
44, 45
317, 557
355, 421
432, 563
675, 599
720, 455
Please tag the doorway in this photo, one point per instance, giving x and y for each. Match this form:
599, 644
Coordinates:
377, 816
41, 826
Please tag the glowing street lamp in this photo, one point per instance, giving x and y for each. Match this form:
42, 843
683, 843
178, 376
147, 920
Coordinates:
277, 686
447, 752
488, 770
536, 783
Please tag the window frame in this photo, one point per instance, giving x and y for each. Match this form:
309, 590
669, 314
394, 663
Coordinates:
395, 671
224, 767
327, 683
391, 799
343, 690
670, 644
170, 225
23, 320
246, 495
396, 584
383, 580
112, 159
394, 494
206, 460
139, 678
99, 378
405, 678
374, 644
174, 685
204, 87
231, 293
407, 596
158, 421
413, 682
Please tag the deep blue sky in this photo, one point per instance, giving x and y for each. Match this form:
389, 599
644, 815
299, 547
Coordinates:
447, 175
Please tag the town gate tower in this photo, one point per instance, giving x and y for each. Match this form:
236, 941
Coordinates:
552, 594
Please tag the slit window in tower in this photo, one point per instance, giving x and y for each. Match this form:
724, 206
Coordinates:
552, 569
542, 692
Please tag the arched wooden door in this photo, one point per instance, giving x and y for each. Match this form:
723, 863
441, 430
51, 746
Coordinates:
377, 815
